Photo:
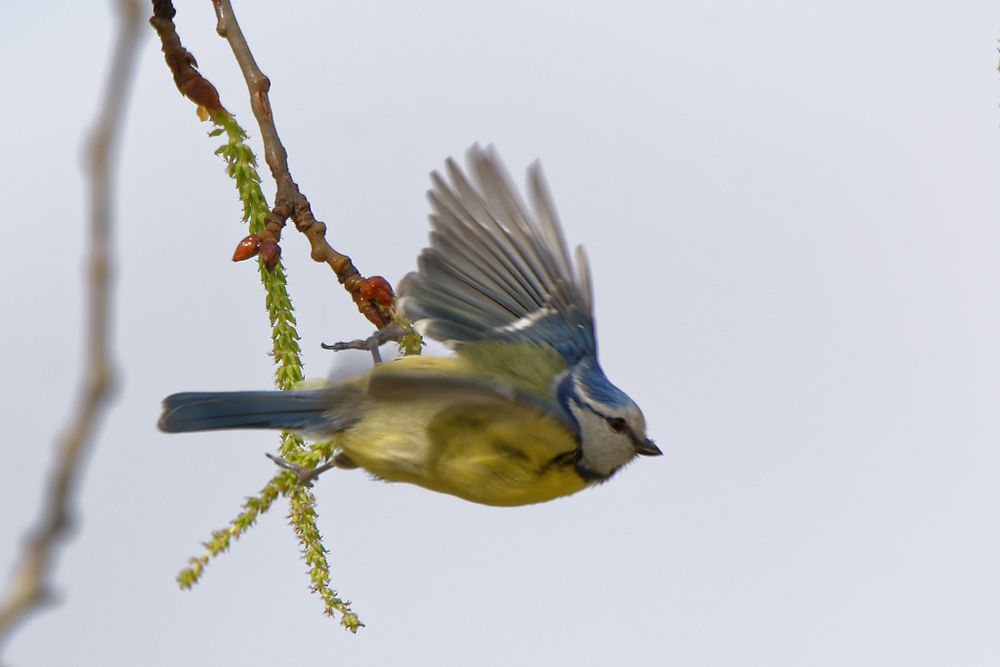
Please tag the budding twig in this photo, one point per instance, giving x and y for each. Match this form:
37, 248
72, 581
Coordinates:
289, 202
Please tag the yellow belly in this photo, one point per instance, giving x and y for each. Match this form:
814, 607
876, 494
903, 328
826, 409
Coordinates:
500, 453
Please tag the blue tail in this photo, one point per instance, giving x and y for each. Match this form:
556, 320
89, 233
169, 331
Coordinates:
311, 410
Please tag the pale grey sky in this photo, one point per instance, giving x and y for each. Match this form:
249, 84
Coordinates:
791, 210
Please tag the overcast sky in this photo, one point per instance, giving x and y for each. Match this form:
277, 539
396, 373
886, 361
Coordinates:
791, 210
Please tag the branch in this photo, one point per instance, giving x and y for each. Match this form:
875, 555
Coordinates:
30, 586
241, 165
289, 202
181, 62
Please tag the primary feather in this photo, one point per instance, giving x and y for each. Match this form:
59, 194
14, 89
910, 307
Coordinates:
495, 270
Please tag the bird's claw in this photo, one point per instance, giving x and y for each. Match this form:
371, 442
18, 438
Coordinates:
304, 476
391, 331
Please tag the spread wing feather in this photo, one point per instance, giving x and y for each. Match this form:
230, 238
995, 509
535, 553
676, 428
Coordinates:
496, 270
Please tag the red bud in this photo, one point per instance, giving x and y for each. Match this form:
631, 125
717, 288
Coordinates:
247, 248
200, 90
377, 289
270, 253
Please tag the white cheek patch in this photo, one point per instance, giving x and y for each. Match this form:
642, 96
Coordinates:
603, 450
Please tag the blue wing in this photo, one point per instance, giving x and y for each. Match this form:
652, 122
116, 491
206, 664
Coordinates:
493, 270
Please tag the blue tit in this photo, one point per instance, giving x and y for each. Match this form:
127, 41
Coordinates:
521, 413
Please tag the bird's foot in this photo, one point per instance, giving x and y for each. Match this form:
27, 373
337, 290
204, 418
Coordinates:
391, 331
304, 476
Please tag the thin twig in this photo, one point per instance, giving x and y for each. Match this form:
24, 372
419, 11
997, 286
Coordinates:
241, 166
31, 585
289, 202
181, 62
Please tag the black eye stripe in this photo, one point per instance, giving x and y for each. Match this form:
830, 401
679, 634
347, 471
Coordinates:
617, 424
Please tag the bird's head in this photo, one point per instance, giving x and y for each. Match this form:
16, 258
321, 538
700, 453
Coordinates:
612, 427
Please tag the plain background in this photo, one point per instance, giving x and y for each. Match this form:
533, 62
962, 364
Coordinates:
791, 210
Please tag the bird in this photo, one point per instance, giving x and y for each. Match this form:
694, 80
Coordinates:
521, 411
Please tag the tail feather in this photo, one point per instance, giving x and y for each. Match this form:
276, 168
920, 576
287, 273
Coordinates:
311, 410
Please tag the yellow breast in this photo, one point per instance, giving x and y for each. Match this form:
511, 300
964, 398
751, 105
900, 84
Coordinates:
493, 452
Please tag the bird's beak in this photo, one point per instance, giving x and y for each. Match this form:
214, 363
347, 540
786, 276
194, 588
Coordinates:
647, 447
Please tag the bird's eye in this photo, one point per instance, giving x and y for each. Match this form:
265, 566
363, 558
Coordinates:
617, 424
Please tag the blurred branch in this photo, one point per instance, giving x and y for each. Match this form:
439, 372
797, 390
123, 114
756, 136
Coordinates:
31, 587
